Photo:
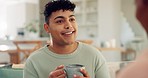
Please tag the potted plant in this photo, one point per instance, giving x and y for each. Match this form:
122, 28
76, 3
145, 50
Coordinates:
32, 29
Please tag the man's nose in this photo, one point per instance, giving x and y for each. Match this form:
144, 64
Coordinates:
68, 25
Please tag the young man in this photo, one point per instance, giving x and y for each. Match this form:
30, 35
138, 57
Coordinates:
139, 68
49, 61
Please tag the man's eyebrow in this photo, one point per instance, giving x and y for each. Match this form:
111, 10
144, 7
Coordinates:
58, 17
63, 16
72, 15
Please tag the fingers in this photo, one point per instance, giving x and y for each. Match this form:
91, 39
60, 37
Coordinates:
84, 72
59, 67
76, 76
62, 76
58, 72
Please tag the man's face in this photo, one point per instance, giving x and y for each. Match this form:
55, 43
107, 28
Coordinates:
142, 13
62, 27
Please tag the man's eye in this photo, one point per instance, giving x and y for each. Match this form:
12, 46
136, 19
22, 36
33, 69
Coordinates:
59, 21
72, 20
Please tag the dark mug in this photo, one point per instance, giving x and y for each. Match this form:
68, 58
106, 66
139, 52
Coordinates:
73, 69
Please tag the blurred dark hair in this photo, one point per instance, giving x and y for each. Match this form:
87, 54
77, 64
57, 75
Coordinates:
145, 2
56, 5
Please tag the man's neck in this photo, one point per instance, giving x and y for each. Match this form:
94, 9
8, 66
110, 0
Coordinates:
64, 49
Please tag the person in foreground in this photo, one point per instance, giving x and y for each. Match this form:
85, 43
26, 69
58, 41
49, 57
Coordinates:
138, 69
49, 61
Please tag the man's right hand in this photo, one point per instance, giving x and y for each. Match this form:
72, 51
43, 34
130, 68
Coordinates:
58, 72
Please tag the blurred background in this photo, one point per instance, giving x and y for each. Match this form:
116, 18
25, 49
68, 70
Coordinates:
109, 25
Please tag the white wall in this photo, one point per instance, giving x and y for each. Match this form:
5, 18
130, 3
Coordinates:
110, 20
110, 26
14, 13
15, 17
19, 14
3, 24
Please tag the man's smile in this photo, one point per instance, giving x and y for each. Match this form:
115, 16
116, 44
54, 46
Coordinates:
68, 33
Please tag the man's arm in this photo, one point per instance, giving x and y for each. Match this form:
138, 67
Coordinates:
102, 70
29, 70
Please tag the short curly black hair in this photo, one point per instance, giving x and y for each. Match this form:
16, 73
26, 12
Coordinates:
56, 5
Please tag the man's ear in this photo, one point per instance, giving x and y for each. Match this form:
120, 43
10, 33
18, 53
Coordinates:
46, 27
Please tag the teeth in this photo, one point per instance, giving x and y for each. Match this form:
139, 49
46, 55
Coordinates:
68, 33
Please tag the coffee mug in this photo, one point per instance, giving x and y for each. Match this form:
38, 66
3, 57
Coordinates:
73, 69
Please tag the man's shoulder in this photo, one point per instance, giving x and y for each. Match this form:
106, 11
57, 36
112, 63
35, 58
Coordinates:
38, 52
89, 48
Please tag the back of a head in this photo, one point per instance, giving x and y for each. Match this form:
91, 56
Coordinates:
56, 5
145, 2
142, 13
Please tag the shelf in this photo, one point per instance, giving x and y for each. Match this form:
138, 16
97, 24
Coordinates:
92, 0
79, 7
91, 4
95, 25
112, 49
91, 11
90, 32
86, 13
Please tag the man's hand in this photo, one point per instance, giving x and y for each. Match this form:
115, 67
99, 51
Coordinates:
58, 72
84, 72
